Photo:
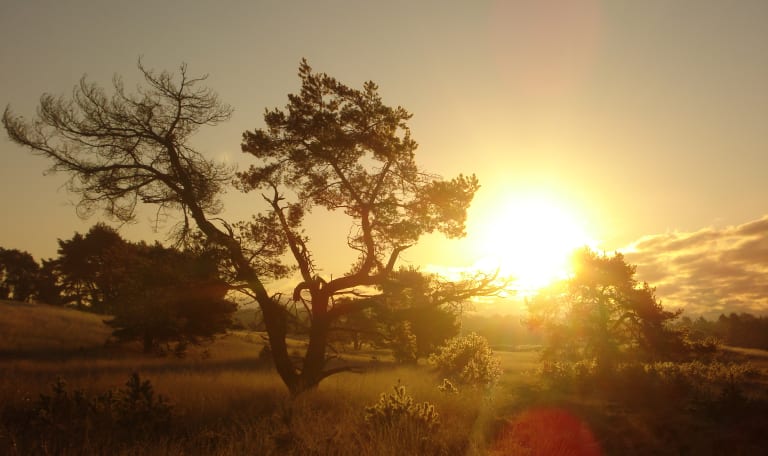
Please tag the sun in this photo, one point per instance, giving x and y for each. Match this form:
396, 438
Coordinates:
530, 239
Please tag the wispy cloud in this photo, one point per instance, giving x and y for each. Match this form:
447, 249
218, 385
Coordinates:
710, 271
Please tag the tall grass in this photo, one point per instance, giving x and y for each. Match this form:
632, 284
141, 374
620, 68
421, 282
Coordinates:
248, 412
39, 329
225, 403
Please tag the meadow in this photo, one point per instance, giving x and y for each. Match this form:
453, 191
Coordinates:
222, 399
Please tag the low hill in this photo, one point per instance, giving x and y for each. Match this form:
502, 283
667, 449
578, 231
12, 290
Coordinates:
41, 330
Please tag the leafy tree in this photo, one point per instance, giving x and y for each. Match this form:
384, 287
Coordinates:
92, 267
603, 313
49, 287
19, 274
413, 315
741, 330
155, 294
171, 296
332, 147
418, 305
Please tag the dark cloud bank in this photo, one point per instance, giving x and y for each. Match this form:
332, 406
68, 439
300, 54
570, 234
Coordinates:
710, 271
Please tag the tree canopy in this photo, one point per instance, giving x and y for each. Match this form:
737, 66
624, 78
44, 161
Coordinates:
331, 147
603, 313
170, 296
19, 275
91, 268
413, 315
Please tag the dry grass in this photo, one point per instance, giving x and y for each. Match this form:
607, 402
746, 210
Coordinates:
225, 404
38, 329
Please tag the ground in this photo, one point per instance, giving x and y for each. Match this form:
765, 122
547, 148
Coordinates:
226, 401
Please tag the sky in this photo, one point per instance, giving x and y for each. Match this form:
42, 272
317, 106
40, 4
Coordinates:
646, 122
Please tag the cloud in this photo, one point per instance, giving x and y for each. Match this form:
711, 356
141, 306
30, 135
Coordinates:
707, 272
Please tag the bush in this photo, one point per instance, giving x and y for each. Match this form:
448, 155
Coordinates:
696, 383
73, 420
468, 360
560, 374
448, 387
404, 347
396, 411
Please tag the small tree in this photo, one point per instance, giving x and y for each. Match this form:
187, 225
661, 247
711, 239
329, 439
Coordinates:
603, 313
333, 148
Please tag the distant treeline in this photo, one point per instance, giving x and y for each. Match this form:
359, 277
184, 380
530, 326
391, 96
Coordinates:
504, 332
740, 330
151, 293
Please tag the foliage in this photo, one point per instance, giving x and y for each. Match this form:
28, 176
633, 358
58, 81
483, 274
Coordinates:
403, 344
49, 289
64, 420
397, 411
344, 150
424, 304
602, 313
467, 360
333, 147
19, 275
691, 380
575, 374
230, 407
414, 314
154, 294
447, 387
740, 330
92, 267
167, 295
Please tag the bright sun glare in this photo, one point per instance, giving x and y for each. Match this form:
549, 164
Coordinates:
531, 240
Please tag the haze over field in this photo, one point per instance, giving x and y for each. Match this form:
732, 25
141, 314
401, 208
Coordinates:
622, 125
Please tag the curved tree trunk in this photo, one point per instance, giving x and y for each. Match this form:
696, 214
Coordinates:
314, 359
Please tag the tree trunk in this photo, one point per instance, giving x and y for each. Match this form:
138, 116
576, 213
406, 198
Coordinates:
314, 359
276, 325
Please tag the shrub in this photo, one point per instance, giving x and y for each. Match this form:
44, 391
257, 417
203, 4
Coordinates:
404, 347
398, 410
467, 360
578, 374
73, 420
448, 387
137, 409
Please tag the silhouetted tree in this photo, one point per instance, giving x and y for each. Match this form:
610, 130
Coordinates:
22, 278
425, 304
18, 275
414, 314
333, 147
603, 313
91, 268
741, 330
48, 286
171, 296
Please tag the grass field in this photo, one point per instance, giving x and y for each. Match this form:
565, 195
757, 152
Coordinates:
225, 403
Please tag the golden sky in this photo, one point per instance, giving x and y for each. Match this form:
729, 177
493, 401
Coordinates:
634, 123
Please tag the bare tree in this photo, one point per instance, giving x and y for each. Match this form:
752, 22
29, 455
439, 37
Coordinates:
333, 147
